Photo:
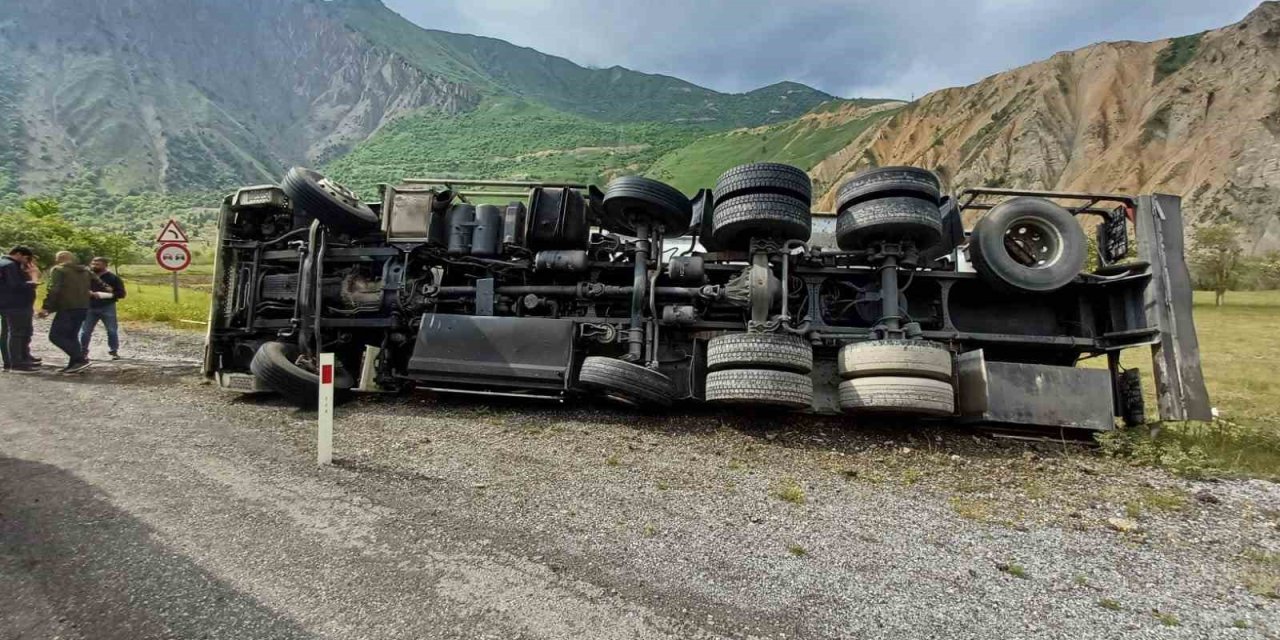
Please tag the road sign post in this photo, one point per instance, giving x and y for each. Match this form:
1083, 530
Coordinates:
324, 431
172, 255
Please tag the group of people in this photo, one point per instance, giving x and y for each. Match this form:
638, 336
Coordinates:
77, 297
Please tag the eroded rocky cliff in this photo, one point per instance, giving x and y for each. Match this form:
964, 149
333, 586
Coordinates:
1197, 116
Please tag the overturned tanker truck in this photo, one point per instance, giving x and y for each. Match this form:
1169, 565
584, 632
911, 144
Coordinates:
973, 306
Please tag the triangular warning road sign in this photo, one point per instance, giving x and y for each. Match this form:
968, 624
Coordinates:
171, 233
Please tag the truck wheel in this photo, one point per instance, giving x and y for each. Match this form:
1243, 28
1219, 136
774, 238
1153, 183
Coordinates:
763, 387
780, 351
764, 177
895, 358
334, 205
763, 215
276, 365
896, 219
632, 199
895, 394
1028, 245
627, 382
886, 182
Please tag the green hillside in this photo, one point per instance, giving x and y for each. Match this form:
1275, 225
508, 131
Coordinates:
508, 138
615, 94
804, 143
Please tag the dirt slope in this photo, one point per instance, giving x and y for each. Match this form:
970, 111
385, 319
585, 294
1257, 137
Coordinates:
1197, 116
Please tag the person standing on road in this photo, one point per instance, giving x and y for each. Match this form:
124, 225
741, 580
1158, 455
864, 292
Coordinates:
103, 292
19, 277
68, 299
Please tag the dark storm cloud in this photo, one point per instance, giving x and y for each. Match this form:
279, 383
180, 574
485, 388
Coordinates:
845, 47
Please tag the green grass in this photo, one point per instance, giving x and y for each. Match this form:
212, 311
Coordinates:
788, 490
508, 138
803, 143
1239, 352
1176, 55
154, 303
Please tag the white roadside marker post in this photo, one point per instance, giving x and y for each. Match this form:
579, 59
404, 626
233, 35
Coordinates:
324, 444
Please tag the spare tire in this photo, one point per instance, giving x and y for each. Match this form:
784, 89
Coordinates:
897, 219
334, 205
763, 215
1028, 244
764, 177
781, 351
631, 199
887, 182
276, 365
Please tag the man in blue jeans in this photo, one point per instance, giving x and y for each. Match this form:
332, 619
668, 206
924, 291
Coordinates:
68, 299
102, 306
19, 277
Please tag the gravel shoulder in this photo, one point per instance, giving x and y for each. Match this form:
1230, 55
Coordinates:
137, 501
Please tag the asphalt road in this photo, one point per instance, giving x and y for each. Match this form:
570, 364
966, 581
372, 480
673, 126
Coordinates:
137, 502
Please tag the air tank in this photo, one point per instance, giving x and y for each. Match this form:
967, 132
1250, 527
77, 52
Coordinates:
461, 222
488, 231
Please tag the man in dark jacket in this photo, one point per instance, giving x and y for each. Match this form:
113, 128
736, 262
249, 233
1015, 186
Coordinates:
18, 279
102, 306
68, 299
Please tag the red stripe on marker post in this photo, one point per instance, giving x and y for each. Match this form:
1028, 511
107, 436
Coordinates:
324, 417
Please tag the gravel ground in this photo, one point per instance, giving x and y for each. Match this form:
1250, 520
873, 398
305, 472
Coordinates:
137, 501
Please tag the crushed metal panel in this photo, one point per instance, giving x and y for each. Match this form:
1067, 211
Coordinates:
1036, 395
523, 353
1180, 388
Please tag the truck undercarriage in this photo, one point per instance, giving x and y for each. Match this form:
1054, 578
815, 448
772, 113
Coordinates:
971, 307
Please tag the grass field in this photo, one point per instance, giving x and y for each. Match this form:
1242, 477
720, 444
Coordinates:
150, 295
1239, 352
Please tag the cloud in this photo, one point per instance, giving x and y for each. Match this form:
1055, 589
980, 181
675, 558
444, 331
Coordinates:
884, 48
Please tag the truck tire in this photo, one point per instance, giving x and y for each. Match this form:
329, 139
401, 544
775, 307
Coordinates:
1028, 244
627, 382
884, 182
764, 177
778, 351
631, 199
896, 394
763, 215
761, 387
334, 205
276, 365
916, 358
896, 219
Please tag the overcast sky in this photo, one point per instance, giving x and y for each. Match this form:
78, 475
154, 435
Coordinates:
850, 48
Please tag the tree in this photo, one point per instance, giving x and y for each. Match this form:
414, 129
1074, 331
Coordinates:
1216, 258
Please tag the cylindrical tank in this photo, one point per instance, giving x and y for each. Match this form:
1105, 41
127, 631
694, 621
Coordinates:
461, 222
687, 270
488, 231
561, 260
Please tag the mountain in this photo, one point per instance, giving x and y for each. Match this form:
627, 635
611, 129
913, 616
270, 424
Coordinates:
180, 95
615, 94
1197, 116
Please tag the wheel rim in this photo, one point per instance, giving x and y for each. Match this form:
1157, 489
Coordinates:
1032, 243
340, 192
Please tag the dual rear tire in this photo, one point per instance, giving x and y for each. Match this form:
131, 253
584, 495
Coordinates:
760, 369
907, 377
762, 200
